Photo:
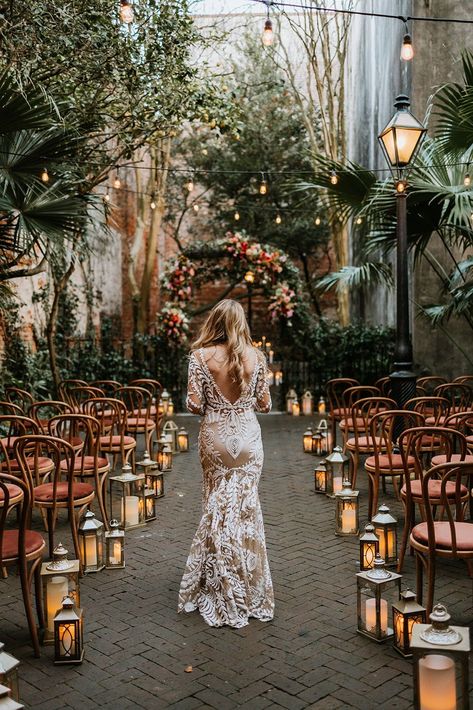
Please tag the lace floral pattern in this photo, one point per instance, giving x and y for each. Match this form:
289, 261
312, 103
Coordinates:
227, 575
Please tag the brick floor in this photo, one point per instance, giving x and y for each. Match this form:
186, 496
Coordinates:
310, 656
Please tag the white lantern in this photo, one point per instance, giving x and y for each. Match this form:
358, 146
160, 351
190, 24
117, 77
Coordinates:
307, 403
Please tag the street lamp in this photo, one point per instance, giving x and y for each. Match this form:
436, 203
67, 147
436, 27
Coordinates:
400, 141
249, 279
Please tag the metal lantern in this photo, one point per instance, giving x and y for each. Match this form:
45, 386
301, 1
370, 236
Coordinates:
170, 411
372, 606
307, 403
9, 672
317, 443
406, 613
60, 578
337, 470
321, 407
385, 527
182, 440
150, 505
7, 702
68, 634
131, 492
369, 548
164, 456
154, 478
296, 408
320, 478
115, 546
440, 666
170, 434
307, 441
290, 397
346, 514
165, 396
91, 543
161, 407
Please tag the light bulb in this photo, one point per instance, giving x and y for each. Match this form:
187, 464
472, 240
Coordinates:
106, 198
278, 219
263, 188
401, 186
205, 151
267, 37
190, 185
126, 12
467, 180
317, 221
236, 216
195, 207
359, 220
333, 178
45, 175
117, 183
152, 204
407, 50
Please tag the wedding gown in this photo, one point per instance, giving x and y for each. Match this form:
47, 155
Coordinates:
227, 575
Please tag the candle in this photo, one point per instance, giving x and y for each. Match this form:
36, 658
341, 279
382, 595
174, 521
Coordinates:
67, 637
321, 406
437, 689
320, 480
132, 516
337, 484
90, 550
149, 507
370, 616
296, 410
56, 591
348, 521
116, 556
271, 357
382, 543
270, 378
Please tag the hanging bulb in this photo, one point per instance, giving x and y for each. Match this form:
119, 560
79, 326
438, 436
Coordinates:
195, 207
278, 219
401, 186
117, 183
333, 178
467, 180
45, 175
236, 216
407, 50
190, 185
106, 197
359, 220
126, 11
263, 187
267, 37
152, 204
317, 221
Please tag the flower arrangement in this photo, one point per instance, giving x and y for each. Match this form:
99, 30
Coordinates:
177, 279
173, 323
282, 302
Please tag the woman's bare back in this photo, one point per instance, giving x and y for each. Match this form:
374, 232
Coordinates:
216, 360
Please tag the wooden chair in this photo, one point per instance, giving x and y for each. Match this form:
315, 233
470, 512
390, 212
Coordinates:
348, 400
434, 409
21, 398
361, 443
108, 387
12, 427
412, 446
66, 385
445, 539
384, 385
138, 402
156, 390
462, 422
42, 412
458, 394
78, 395
22, 548
430, 382
335, 389
9, 408
112, 417
386, 459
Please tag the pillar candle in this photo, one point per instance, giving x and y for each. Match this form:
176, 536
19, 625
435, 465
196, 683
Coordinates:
337, 484
67, 637
90, 550
56, 591
320, 480
131, 510
348, 520
370, 615
116, 555
271, 357
437, 690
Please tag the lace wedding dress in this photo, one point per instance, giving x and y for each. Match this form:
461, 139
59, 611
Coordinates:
227, 575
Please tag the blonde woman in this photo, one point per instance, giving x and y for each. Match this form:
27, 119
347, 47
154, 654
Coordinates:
227, 575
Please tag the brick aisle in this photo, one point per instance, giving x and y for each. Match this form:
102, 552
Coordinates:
137, 647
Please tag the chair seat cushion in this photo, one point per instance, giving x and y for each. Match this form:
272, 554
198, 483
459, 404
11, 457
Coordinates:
469, 438
115, 440
88, 463
44, 464
8, 441
431, 440
13, 491
133, 422
363, 442
384, 463
152, 411
454, 458
434, 489
443, 537
33, 542
348, 423
44, 493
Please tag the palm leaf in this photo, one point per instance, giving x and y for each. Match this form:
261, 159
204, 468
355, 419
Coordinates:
354, 277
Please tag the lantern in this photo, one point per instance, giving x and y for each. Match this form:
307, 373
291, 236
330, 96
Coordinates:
346, 515
182, 440
369, 548
149, 504
290, 397
406, 613
68, 634
91, 543
165, 401
9, 672
307, 403
164, 457
161, 407
131, 493
337, 470
278, 378
385, 527
320, 478
154, 478
372, 606
317, 443
440, 659
296, 409
170, 434
7, 702
402, 136
324, 443
170, 412
321, 408
307, 441
115, 546
60, 578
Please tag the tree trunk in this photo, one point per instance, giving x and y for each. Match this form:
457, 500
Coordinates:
51, 325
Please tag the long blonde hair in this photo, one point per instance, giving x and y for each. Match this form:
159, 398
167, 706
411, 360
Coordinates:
226, 324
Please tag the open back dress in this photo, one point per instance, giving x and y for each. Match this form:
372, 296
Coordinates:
227, 575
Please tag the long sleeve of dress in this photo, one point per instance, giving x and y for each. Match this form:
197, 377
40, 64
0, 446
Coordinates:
195, 401
262, 394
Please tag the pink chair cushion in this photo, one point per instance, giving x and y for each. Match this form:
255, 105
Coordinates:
442, 458
394, 465
14, 492
134, 422
33, 542
443, 537
44, 493
434, 489
364, 442
44, 464
106, 441
89, 463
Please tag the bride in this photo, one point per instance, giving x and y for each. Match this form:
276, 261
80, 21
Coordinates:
227, 575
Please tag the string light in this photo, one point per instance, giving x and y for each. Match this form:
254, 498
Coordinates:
267, 37
263, 188
401, 186
407, 50
317, 221
467, 178
152, 204
236, 216
196, 207
190, 185
278, 219
333, 178
126, 12
359, 220
117, 183
45, 175
106, 197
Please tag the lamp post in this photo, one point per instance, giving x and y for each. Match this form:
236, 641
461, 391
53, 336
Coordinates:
400, 141
249, 280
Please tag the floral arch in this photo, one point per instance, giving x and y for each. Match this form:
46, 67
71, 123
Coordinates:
275, 277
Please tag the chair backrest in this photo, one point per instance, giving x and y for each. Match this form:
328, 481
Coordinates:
459, 395
430, 382
23, 507
421, 443
137, 400
335, 389
384, 385
79, 394
11, 427
69, 426
364, 410
20, 397
458, 474
461, 421
153, 386
7, 408
352, 395
108, 387
435, 407
384, 428
111, 415
42, 412
67, 385
465, 380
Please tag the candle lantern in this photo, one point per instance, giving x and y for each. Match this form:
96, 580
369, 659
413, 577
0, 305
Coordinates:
150, 505
278, 378
321, 407
9, 672
440, 667
346, 514
91, 543
406, 613
385, 527
7, 701
307, 441
296, 408
369, 548
115, 546
164, 456
337, 470
323, 430
290, 398
170, 434
68, 634
182, 440
131, 493
320, 478
170, 411
165, 401
317, 443
307, 403
60, 578
154, 478
270, 378
161, 407
372, 606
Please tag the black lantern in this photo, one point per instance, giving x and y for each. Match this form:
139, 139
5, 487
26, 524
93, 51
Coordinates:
401, 138
68, 634
60, 578
369, 548
115, 546
385, 527
373, 587
91, 543
406, 613
154, 478
320, 478
164, 456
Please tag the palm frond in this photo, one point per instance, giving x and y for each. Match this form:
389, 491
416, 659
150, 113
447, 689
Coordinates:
354, 277
454, 110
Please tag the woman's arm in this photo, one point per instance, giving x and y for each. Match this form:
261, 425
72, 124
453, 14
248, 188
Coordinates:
195, 401
263, 397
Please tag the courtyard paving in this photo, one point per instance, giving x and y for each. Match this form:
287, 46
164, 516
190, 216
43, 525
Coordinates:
141, 654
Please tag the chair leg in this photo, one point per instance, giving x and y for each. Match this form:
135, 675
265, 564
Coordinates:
419, 577
100, 495
75, 535
51, 525
38, 595
430, 583
405, 534
29, 606
374, 502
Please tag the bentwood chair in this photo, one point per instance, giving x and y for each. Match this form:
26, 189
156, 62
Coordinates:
451, 538
66, 385
156, 390
108, 387
12, 427
22, 548
9, 408
349, 399
458, 395
335, 389
138, 402
112, 417
430, 382
42, 412
79, 394
362, 441
21, 398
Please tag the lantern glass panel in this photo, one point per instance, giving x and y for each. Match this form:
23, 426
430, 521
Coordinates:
307, 441
385, 527
374, 596
320, 478
114, 546
347, 511
183, 440
91, 543
403, 623
150, 505
369, 548
9, 672
68, 641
